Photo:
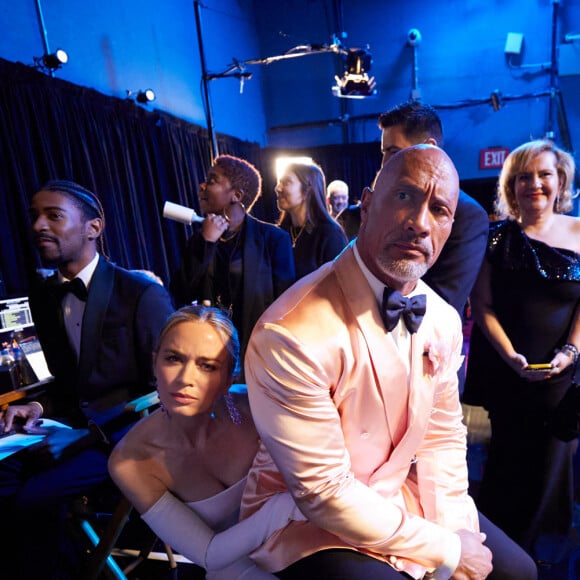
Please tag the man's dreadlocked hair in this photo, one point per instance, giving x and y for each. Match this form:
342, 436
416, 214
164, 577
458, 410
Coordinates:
86, 201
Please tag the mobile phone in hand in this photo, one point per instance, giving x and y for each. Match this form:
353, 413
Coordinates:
539, 367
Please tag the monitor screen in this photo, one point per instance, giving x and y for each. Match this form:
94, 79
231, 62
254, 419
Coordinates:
24, 361
15, 313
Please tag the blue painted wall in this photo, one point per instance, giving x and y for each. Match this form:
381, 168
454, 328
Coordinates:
460, 61
116, 45
120, 45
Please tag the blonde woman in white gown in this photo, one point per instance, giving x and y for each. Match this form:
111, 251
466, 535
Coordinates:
184, 466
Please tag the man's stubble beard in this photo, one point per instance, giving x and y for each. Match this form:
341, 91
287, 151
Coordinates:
405, 270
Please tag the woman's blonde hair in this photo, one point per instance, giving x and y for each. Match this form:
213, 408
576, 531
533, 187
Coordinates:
506, 205
216, 318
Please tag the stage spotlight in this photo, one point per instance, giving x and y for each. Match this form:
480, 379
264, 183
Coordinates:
356, 83
145, 96
51, 62
142, 96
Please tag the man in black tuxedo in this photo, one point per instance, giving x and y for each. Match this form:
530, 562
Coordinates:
455, 271
97, 324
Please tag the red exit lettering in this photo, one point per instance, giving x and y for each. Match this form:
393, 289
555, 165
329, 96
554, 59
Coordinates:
493, 157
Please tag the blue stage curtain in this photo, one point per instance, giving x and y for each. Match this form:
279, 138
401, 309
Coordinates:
133, 158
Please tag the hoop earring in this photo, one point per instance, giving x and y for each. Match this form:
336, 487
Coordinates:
233, 411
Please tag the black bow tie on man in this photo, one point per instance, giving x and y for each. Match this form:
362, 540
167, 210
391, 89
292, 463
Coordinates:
76, 286
395, 304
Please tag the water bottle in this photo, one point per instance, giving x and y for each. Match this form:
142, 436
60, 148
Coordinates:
6, 370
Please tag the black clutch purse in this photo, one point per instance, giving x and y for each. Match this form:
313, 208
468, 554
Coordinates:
564, 422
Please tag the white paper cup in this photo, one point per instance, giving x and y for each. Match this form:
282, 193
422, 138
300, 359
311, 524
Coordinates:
180, 213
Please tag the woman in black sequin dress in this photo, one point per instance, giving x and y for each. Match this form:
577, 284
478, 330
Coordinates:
525, 305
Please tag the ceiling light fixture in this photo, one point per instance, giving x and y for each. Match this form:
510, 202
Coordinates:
356, 83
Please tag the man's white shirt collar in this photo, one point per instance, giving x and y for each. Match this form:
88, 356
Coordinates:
86, 274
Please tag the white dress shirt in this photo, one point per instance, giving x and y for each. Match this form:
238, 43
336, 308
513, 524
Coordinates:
73, 309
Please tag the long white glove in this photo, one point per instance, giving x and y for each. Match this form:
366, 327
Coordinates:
179, 526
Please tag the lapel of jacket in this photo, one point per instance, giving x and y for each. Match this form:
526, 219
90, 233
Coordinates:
420, 397
51, 286
49, 320
388, 367
250, 253
420, 393
100, 290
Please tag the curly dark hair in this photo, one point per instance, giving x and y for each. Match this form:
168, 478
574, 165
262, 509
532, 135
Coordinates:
243, 177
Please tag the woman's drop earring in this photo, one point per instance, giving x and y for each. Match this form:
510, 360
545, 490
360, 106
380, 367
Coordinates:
233, 410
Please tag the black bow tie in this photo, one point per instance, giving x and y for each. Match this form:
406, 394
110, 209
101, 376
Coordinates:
76, 286
395, 304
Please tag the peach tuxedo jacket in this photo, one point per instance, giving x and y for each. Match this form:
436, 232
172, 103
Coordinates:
374, 455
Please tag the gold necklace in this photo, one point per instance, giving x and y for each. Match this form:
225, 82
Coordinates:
228, 236
294, 236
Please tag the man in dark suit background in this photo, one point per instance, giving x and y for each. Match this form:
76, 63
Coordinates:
454, 273
97, 324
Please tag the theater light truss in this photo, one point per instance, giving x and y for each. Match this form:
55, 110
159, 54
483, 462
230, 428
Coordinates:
354, 83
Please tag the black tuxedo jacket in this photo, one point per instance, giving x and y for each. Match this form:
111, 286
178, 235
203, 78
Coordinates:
123, 316
455, 271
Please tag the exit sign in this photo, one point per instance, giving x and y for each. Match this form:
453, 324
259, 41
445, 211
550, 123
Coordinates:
493, 157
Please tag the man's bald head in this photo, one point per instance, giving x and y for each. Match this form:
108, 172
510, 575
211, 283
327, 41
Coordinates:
407, 219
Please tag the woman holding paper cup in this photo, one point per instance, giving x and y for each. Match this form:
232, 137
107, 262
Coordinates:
232, 259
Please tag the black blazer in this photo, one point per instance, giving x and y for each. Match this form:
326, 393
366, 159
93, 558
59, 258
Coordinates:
123, 316
268, 270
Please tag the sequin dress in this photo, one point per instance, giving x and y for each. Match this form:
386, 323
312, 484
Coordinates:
527, 483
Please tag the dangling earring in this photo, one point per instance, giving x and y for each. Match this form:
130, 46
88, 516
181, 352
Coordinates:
233, 411
161, 405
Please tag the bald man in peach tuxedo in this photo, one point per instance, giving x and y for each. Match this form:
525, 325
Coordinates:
357, 404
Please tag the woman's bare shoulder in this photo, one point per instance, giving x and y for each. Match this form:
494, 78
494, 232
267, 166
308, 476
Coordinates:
573, 222
569, 232
136, 467
138, 442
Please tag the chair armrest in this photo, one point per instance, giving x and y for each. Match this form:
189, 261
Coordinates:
10, 397
23, 393
143, 404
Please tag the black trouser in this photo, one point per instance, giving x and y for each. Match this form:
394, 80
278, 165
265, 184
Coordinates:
510, 562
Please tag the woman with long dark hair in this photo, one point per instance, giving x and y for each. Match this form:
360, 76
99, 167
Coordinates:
301, 197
